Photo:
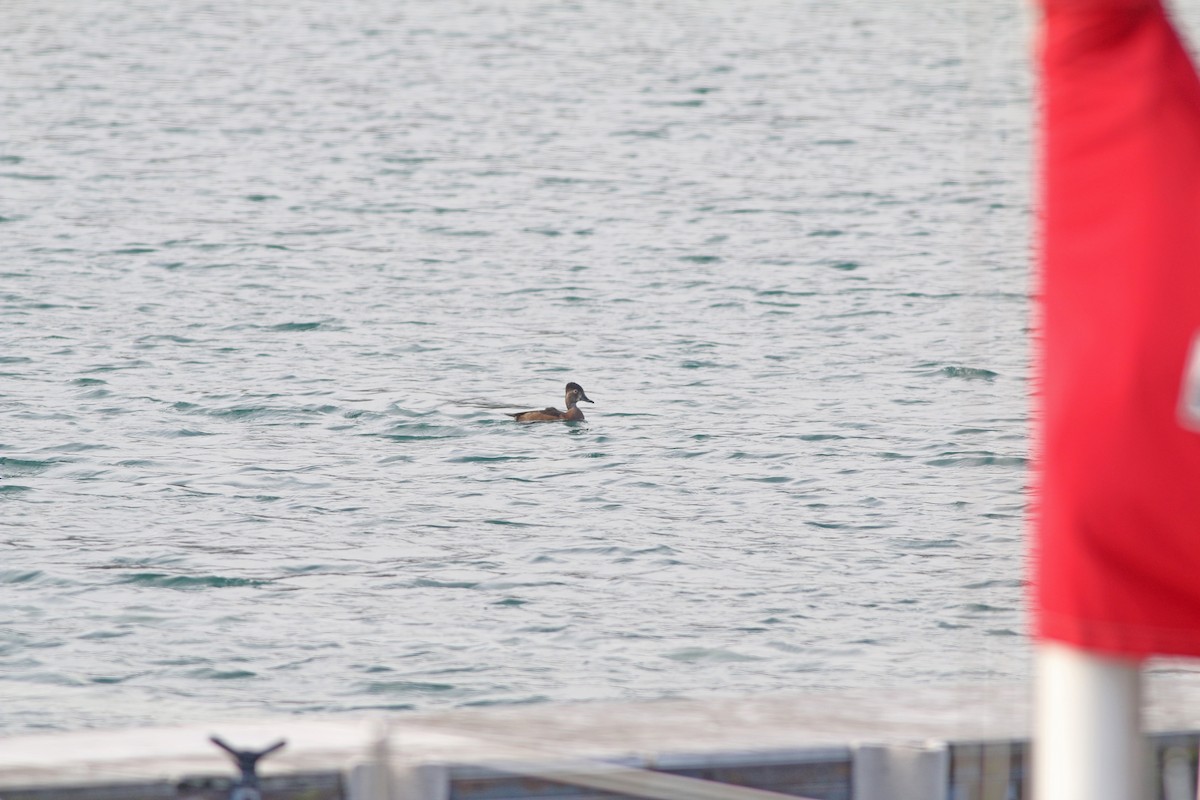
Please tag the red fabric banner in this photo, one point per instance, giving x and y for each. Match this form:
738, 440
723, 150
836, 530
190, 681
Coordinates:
1117, 500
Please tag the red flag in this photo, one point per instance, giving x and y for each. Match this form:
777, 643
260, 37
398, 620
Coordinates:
1117, 506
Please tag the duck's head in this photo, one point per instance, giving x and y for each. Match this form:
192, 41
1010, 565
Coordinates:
575, 394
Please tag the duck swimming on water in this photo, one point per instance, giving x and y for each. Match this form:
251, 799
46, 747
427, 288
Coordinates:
572, 414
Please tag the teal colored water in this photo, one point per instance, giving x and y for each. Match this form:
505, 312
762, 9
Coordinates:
274, 271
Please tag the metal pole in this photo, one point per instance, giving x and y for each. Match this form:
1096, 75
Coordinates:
1088, 743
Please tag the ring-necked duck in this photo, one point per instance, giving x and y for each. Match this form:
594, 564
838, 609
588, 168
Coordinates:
572, 414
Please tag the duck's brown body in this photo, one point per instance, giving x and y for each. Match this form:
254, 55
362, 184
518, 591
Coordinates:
572, 414
549, 415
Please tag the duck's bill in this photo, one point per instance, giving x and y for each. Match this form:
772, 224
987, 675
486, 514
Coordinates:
585, 399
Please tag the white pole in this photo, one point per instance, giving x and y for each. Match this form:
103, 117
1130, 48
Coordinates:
1088, 743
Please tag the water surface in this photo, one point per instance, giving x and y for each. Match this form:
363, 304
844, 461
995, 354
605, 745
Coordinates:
274, 270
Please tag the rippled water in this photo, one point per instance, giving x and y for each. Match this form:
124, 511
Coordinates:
274, 271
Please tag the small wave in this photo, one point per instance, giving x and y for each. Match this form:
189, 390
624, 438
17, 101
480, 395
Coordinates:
51, 678
106, 635
969, 373
679, 453
407, 687
659, 133
527, 700
106, 680
983, 608
433, 583
297, 326
966, 373
78, 447
700, 654
411, 412
597, 550
164, 581
313, 231
308, 569
927, 544
485, 459
981, 458
166, 337
209, 674
28, 176
783, 293
419, 432
19, 576
22, 466
254, 412
1007, 583
458, 232
950, 626
247, 412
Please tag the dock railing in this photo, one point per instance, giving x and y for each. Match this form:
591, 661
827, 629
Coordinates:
964, 743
